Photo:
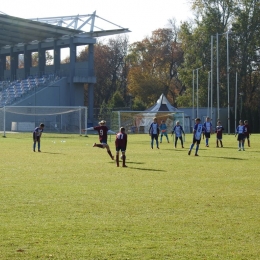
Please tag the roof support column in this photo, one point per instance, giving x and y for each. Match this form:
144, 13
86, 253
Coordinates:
72, 70
2, 66
41, 60
27, 61
56, 51
91, 74
13, 63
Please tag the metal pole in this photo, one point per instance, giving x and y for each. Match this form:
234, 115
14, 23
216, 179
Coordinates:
211, 110
208, 92
119, 121
217, 77
228, 84
197, 92
236, 104
4, 121
193, 99
86, 120
80, 127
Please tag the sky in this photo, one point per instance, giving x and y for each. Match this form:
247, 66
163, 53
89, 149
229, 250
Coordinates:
141, 17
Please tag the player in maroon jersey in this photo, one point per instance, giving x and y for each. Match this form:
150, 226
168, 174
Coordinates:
102, 132
219, 130
121, 143
247, 132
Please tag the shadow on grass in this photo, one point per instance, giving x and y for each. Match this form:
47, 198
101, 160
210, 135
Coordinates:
129, 162
49, 152
228, 158
138, 168
144, 169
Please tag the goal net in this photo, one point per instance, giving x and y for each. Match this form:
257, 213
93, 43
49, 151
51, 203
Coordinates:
57, 119
140, 121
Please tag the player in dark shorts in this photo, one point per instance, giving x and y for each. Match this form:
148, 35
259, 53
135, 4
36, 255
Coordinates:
37, 133
208, 130
198, 130
121, 143
154, 132
219, 130
240, 133
102, 132
247, 132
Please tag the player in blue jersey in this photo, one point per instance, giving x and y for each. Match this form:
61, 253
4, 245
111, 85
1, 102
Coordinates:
197, 132
240, 133
163, 129
208, 130
178, 131
154, 132
37, 133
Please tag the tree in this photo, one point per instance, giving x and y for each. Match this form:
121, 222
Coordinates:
117, 100
153, 67
239, 18
111, 69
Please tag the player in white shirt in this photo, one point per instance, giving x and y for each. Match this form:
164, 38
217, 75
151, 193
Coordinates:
154, 132
178, 131
240, 131
208, 130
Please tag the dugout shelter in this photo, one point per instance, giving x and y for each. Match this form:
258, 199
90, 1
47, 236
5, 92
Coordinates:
49, 85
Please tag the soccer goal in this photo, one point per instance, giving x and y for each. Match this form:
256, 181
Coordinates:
57, 119
140, 121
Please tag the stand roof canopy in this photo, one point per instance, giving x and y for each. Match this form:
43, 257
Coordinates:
16, 31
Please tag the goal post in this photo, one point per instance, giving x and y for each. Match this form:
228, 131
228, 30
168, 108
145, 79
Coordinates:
140, 121
57, 119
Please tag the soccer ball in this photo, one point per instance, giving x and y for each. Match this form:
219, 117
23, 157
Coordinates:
121, 157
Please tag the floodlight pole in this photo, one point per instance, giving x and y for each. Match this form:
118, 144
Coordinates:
211, 83
236, 104
198, 90
228, 83
209, 74
193, 99
217, 76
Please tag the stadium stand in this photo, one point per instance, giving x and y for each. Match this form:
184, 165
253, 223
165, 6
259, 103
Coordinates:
13, 91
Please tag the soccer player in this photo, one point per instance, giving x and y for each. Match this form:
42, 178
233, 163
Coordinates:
178, 130
208, 130
37, 133
247, 132
219, 130
163, 129
240, 131
102, 132
154, 132
197, 132
121, 143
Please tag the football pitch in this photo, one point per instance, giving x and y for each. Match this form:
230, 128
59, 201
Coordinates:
71, 201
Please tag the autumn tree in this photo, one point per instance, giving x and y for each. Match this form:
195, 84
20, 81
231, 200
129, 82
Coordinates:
153, 67
237, 20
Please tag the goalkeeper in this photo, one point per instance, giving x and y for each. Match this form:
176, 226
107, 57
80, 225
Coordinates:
163, 130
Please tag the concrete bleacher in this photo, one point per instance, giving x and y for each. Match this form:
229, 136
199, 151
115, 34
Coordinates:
13, 91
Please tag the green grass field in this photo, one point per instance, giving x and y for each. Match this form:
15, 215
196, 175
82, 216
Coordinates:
71, 201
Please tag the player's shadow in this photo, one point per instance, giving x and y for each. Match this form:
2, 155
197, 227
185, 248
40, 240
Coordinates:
228, 158
120, 162
146, 169
50, 153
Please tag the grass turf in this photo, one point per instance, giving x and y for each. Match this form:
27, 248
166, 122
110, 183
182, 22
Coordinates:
71, 201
